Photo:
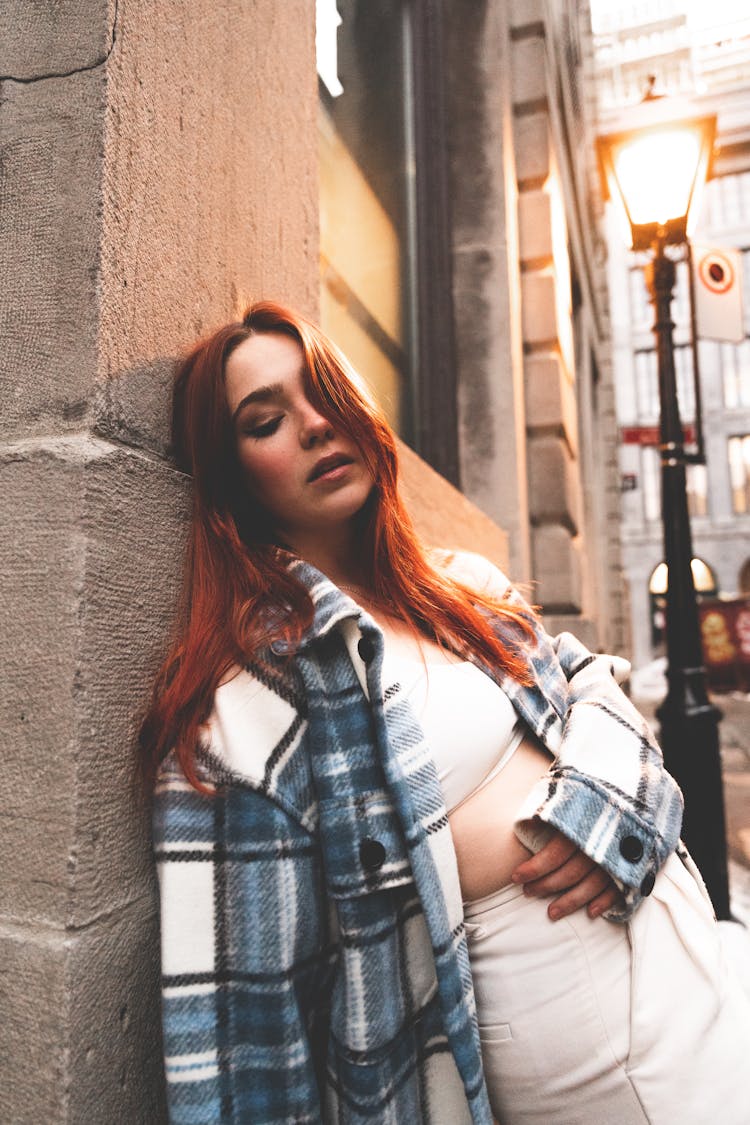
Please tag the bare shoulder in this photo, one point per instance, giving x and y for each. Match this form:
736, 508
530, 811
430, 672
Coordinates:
472, 570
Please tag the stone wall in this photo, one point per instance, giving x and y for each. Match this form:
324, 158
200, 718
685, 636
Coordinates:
159, 166
159, 170
536, 410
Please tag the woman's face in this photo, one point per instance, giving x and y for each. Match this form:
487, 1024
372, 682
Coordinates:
305, 473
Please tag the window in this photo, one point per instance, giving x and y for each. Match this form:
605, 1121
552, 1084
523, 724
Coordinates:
640, 308
735, 369
640, 304
727, 200
739, 472
386, 254
696, 481
696, 484
367, 196
681, 302
651, 476
647, 382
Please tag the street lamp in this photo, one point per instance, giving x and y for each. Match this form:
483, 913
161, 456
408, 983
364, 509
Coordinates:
655, 170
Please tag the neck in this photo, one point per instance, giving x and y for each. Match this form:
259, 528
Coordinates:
337, 555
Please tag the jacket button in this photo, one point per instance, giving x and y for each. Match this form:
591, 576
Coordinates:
631, 848
647, 885
371, 854
366, 649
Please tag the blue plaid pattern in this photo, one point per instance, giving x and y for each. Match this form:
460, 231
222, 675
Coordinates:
313, 952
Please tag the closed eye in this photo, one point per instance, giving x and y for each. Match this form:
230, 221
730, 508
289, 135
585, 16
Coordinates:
265, 429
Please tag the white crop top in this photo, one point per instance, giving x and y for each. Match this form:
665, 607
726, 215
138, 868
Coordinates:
471, 726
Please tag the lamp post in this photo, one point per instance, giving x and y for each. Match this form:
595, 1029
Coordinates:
655, 169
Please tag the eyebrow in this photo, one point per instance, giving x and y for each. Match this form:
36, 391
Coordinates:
263, 394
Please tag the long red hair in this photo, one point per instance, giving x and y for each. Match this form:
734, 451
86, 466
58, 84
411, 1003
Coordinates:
238, 592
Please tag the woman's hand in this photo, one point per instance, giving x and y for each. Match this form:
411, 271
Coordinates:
560, 868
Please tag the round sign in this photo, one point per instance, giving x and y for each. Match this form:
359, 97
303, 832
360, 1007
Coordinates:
716, 272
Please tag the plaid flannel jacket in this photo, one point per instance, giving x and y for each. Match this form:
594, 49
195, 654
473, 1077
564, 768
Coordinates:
314, 961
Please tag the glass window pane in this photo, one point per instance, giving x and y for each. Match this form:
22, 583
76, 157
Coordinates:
367, 198
647, 384
640, 308
683, 362
739, 472
681, 302
650, 472
697, 490
735, 365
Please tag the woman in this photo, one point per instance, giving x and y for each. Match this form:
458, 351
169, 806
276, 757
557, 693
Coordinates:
326, 924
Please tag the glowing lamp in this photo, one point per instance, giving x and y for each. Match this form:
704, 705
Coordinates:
655, 169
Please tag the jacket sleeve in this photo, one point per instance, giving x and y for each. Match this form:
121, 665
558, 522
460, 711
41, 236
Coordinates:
607, 790
245, 966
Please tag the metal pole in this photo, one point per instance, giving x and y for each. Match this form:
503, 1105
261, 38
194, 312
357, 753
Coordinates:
689, 721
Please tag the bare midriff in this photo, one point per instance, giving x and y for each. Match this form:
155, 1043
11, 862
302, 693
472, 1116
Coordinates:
487, 848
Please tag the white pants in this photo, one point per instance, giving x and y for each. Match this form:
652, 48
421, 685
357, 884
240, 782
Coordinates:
592, 1023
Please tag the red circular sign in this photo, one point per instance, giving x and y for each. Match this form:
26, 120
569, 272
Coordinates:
716, 272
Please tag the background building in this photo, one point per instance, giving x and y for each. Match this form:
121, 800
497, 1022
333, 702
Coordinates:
703, 51
162, 164
458, 266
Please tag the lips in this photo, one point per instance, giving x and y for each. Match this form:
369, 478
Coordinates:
326, 464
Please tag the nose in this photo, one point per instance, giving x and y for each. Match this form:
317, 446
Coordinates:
315, 428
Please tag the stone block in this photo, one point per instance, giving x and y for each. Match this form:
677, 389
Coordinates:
444, 517
115, 1025
550, 397
528, 71
476, 110
81, 1022
557, 569
490, 393
525, 12
135, 516
51, 138
35, 1003
42, 561
535, 225
554, 491
585, 628
134, 406
539, 315
477, 297
37, 40
531, 137
211, 187
89, 589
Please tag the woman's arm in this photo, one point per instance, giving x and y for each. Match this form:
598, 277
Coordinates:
244, 958
607, 800
608, 791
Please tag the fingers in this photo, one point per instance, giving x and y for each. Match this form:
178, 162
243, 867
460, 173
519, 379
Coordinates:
565, 877
551, 857
605, 901
560, 868
592, 887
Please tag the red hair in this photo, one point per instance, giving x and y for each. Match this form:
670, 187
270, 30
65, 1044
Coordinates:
238, 592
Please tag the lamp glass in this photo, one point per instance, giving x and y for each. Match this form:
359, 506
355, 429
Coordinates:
655, 173
703, 578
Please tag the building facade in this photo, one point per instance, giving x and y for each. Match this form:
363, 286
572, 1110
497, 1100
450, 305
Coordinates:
692, 51
420, 191
459, 257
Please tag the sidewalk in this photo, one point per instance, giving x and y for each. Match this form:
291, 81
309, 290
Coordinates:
734, 735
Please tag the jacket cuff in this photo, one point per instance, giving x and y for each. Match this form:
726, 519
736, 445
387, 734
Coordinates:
602, 824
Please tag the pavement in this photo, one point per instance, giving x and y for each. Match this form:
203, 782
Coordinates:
648, 690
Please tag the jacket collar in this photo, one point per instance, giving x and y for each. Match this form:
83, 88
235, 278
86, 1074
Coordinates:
330, 606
